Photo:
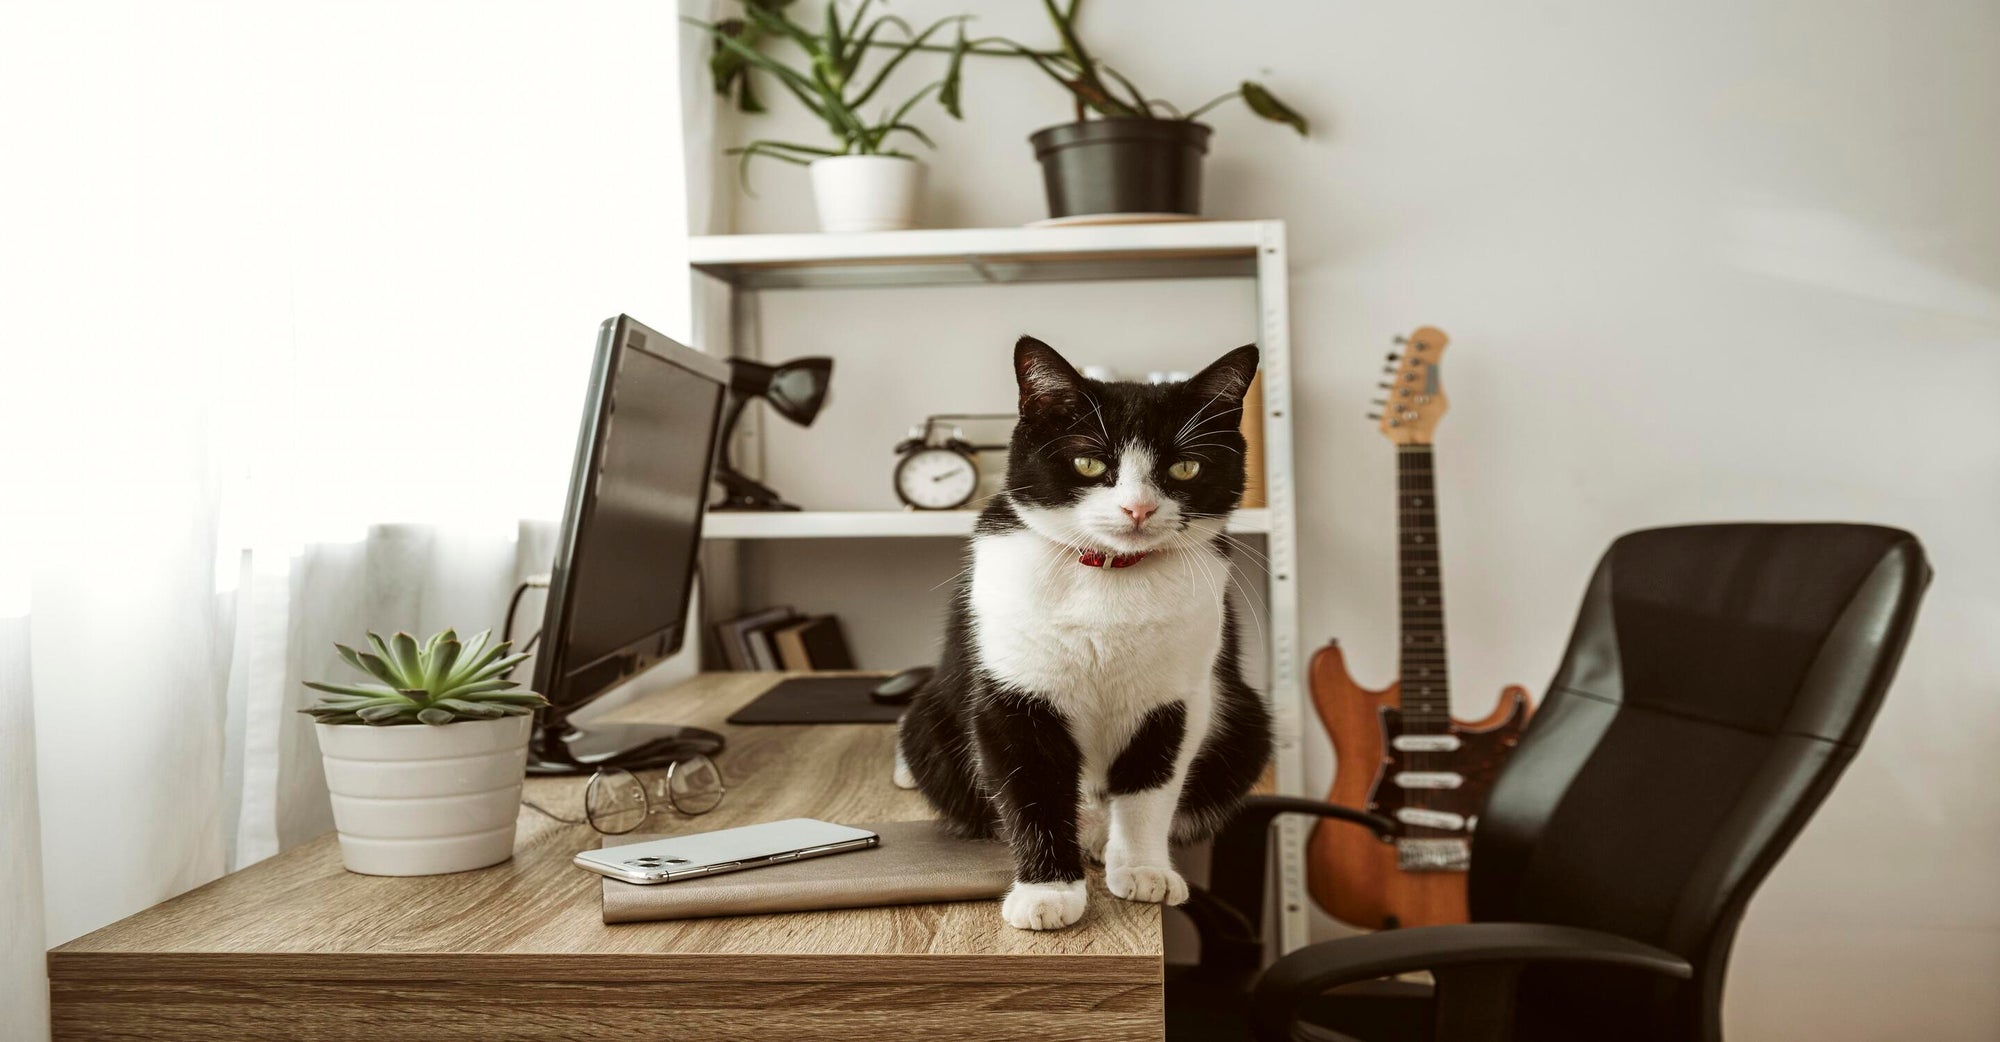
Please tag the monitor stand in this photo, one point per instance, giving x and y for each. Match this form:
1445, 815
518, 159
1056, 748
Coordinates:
566, 748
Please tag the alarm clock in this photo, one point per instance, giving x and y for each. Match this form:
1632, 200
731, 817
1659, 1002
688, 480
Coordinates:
936, 475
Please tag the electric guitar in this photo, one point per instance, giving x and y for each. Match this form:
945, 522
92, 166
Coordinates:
1398, 752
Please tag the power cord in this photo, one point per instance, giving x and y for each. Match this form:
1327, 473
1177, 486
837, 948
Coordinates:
532, 582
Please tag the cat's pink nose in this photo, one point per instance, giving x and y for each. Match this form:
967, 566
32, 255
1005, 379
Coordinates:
1139, 512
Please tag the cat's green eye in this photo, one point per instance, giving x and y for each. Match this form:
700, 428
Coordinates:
1184, 470
1088, 467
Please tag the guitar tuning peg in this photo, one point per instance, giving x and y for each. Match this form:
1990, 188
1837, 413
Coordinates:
1384, 402
1392, 356
1400, 339
1375, 416
1385, 385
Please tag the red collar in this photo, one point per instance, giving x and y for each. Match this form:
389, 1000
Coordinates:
1099, 559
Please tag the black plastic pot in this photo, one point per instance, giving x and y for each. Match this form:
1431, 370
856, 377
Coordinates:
1122, 166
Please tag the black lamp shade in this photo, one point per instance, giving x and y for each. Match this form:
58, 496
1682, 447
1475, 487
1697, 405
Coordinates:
797, 389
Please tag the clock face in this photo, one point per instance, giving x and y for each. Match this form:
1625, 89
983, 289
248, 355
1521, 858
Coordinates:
936, 479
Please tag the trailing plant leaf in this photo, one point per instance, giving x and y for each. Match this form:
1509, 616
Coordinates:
903, 51
954, 77
1139, 100
1084, 76
1265, 104
440, 681
746, 96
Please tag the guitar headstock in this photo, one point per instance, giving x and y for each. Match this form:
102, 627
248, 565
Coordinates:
1414, 400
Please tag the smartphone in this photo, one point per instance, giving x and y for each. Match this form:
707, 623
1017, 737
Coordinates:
728, 850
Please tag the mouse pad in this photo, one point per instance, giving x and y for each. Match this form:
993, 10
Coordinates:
820, 700
916, 863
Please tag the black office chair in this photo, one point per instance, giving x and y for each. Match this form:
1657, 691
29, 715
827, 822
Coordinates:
1719, 679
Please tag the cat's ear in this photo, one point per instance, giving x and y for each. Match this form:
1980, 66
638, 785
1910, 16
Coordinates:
1227, 378
1050, 386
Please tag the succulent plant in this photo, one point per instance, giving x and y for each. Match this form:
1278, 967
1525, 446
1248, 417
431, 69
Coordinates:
442, 681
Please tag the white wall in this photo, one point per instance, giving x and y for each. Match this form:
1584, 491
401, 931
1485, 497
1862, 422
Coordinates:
1700, 261
270, 273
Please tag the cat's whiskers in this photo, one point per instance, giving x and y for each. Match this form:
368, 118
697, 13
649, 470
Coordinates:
1197, 416
1217, 425
1084, 438
1195, 437
1204, 445
982, 501
1097, 410
1262, 561
1198, 565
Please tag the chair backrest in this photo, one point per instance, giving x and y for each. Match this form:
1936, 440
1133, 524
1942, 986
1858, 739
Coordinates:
1719, 679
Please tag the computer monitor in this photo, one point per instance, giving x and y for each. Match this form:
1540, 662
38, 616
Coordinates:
625, 559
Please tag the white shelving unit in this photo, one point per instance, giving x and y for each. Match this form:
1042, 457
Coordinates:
746, 264
878, 524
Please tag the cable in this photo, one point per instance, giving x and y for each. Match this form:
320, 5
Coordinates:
532, 582
513, 605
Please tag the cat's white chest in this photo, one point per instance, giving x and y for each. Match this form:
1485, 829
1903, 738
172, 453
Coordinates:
1096, 640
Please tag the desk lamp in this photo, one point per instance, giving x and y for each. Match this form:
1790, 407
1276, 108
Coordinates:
797, 390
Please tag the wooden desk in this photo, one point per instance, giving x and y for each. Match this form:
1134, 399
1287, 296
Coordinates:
295, 947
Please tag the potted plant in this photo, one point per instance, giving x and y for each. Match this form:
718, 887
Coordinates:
424, 760
861, 183
1142, 154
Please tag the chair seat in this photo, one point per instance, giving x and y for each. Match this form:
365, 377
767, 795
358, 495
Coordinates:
1375, 1011
1214, 1007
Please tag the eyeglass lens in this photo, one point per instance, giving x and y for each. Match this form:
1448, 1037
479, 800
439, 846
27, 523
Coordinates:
615, 801
694, 785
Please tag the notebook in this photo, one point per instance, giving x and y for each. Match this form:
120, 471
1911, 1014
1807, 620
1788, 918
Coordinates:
917, 862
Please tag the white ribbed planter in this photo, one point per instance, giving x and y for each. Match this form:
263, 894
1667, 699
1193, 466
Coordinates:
867, 193
417, 800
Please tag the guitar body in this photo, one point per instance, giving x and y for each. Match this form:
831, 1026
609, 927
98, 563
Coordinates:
1357, 878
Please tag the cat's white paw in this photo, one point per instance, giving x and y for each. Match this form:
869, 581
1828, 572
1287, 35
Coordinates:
1142, 883
1045, 906
900, 774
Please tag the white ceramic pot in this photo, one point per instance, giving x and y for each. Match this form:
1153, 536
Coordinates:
867, 193
417, 800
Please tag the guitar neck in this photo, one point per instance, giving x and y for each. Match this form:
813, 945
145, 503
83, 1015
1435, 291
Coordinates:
1426, 684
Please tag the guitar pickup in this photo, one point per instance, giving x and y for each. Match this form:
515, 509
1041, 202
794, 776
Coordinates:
1425, 743
1429, 779
1422, 818
1434, 855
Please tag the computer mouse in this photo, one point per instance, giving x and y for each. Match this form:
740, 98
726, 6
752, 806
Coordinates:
899, 689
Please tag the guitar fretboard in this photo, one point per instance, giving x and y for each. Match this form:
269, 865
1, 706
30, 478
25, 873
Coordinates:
1426, 684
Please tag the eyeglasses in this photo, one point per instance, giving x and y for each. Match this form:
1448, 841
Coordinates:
616, 801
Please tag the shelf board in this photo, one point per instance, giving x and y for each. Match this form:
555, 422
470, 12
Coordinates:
966, 256
882, 524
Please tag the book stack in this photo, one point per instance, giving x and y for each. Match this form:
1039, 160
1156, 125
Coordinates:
782, 639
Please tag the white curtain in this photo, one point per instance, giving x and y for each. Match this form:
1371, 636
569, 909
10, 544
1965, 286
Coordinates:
299, 301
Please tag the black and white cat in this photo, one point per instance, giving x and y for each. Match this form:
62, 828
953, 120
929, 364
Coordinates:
1089, 698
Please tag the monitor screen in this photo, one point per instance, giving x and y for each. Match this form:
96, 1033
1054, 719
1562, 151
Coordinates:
625, 561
